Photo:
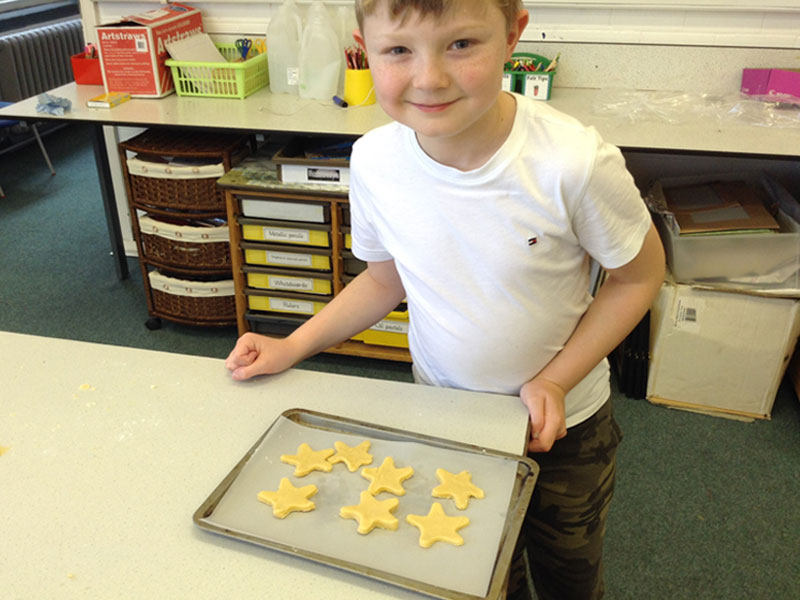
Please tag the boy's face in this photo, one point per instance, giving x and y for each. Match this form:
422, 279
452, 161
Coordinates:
440, 76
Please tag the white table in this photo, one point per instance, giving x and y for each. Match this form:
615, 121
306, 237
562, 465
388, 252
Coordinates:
110, 450
266, 112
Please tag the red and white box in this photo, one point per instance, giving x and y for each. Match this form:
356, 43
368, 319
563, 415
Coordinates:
133, 50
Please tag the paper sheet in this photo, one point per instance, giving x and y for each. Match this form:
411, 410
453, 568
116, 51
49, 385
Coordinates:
398, 552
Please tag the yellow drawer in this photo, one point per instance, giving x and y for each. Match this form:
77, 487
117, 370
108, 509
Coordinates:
388, 332
283, 303
288, 257
288, 281
285, 233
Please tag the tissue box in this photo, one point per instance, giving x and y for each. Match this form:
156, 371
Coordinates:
771, 82
133, 51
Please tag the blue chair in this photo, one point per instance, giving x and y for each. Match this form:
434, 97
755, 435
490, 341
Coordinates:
8, 123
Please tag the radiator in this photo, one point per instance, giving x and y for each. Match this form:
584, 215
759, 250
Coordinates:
37, 59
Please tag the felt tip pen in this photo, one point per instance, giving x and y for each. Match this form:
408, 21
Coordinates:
339, 102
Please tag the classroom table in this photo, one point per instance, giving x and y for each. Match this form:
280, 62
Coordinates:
693, 132
106, 452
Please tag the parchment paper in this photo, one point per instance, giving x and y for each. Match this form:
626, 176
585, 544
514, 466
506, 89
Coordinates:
466, 569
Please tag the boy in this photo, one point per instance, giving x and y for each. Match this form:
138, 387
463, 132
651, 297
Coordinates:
481, 208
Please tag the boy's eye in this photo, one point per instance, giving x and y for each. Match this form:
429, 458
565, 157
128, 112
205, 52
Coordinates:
397, 50
461, 44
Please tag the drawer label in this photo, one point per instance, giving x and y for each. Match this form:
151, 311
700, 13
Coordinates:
286, 258
391, 326
289, 305
291, 283
278, 234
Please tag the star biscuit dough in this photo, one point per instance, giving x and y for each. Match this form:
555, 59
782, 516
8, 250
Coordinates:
371, 513
387, 477
436, 526
352, 456
288, 499
307, 460
458, 487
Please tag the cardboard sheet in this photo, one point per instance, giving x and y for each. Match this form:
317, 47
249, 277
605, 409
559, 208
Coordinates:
324, 532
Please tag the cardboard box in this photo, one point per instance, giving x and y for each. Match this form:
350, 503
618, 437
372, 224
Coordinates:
744, 260
719, 352
773, 84
133, 51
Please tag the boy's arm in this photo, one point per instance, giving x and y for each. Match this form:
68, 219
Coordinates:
362, 303
619, 305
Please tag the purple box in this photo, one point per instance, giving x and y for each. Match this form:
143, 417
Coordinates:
771, 82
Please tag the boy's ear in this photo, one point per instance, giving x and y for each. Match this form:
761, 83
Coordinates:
515, 33
359, 38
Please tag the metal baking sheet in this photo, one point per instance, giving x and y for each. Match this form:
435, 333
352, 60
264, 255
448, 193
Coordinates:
391, 556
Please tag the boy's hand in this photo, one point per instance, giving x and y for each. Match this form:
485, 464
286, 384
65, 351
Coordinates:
259, 355
545, 402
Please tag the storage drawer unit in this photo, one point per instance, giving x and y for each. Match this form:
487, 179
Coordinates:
289, 258
179, 221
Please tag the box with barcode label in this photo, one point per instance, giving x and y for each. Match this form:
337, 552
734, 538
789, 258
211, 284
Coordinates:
133, 50
719, 351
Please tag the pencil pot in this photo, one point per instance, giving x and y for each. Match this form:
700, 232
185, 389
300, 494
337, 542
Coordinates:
86, 71
535, 83
358, 87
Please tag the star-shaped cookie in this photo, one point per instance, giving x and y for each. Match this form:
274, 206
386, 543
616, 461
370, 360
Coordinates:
352, 456
436, 526
288, 499
307, 460
458, 487
387, 477
371, 513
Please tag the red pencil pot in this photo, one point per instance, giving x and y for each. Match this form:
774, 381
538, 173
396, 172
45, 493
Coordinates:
86, 70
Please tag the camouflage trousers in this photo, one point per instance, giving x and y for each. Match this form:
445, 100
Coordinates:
562, 535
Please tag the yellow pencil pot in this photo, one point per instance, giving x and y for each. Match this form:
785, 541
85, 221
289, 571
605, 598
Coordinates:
358, 87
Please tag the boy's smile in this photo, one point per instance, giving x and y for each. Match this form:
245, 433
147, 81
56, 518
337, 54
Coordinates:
441, 76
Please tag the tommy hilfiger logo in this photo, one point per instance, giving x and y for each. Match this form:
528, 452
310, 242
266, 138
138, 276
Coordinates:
532, 241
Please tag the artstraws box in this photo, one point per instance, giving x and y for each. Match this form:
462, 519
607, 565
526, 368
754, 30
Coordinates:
719, 352
133, 51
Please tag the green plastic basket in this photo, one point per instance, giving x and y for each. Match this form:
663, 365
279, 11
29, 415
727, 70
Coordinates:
220, 80
534, 84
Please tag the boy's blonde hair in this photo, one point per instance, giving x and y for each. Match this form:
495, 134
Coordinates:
399, 8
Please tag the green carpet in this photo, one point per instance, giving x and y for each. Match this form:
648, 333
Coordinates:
705, 507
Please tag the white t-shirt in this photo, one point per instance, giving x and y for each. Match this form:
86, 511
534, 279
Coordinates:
495, 261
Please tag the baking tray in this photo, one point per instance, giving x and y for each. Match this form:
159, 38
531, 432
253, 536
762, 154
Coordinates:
233, 510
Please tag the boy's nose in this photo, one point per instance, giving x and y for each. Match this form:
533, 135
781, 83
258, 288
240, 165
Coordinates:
430, 74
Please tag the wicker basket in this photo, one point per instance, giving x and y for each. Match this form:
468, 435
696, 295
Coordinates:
177, 193
185, 246
199, 311
195, 302
160, 176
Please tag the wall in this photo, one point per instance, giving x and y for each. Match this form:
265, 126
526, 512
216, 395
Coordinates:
697, 46
640, 44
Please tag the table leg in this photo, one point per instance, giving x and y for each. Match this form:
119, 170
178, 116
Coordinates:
109, 203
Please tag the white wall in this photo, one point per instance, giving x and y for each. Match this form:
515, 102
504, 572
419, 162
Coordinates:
640, 44
683, 45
